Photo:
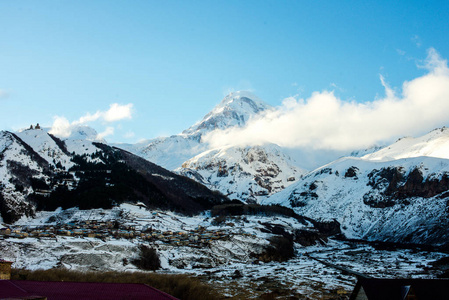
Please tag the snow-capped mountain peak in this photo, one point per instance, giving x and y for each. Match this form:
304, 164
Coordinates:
245, 173
240, 101
170, 152
234, 110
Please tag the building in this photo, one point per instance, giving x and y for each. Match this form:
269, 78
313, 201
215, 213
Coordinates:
400, 289
5, 231
5, 269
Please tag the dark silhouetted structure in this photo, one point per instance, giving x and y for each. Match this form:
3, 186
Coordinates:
400, 289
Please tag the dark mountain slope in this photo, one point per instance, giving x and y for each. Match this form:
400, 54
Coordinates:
182, 193
33, 180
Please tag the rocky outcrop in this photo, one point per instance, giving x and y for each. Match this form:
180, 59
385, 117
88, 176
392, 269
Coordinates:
403, 201
351, 172
417, 186
392, 186
248, 174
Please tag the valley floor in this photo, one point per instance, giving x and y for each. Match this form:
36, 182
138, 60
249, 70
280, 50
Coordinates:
225, 263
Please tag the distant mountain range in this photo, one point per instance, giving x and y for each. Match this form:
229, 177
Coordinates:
397, 193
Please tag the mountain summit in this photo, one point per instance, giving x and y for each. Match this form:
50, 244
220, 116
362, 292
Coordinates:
248, 173
171, 152
234, 110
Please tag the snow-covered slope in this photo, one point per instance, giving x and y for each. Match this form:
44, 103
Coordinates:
55, 150
29, 156
378, 198
39, 170
47, 146
17, 163
168, 152
433, 144
365, 152
249, 173
224, 262
80, 140
171, 152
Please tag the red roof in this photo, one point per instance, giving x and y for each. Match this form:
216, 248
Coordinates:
55, 290
9, 290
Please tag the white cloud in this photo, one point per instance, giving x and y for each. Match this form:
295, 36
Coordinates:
324, 121
116, 112
89, 118
109, 131
61, 127
388, 90
435, 64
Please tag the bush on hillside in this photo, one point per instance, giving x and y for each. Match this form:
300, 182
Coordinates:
148, 259
280, 250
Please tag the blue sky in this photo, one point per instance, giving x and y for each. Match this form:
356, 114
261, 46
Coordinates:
175, 60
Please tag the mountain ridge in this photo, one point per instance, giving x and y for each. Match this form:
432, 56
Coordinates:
38, 174
369, 196
374, 199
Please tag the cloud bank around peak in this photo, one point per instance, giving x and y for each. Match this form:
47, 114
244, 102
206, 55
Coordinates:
63, 128
324, 121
